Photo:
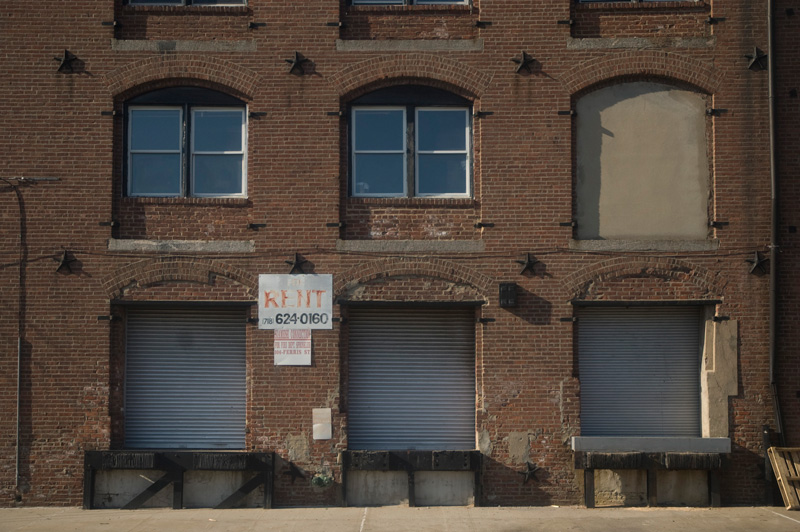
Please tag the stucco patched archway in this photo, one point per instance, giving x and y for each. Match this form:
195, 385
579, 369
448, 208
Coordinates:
697, 282
397, 269
176, 269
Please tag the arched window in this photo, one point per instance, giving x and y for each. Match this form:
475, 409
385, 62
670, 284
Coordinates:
186, 141
410, 141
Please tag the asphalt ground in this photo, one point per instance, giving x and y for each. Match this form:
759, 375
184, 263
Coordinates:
403, 519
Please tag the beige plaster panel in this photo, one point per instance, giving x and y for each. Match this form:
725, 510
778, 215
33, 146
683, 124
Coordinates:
642, 163
719, 377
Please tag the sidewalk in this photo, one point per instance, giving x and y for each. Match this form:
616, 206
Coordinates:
402, 519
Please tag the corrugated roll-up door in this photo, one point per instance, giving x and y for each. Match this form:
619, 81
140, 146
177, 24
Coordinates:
411, 379
640, 371
185, 380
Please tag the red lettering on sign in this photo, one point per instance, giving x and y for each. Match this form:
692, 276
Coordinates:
319, 296
269, 297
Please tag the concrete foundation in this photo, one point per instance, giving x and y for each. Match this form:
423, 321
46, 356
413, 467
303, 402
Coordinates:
444, 488
431, 488
629, 488
201, 489
377, 488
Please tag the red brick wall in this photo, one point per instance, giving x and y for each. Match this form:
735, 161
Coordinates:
297, 178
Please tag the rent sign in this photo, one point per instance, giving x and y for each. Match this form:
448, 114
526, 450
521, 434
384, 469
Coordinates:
301, 301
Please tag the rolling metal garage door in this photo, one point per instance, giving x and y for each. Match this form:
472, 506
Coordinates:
411, 379
185, 384
640, 371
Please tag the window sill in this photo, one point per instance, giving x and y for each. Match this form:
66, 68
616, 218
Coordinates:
639, 43
177, 246
644, 245
399, 10
173, 10
411, 246
415, 202
637, 6
146, 45
409, 45
621, 444
201, 202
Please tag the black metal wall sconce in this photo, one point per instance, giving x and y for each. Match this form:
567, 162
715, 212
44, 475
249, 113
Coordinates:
508, 295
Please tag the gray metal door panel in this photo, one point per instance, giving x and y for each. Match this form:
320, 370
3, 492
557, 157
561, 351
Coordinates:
185, 382
411, 379
640, 371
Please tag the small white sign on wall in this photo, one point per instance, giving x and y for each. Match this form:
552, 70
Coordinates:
323, 426
292, 347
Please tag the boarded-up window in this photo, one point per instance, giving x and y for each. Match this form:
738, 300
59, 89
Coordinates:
643, 169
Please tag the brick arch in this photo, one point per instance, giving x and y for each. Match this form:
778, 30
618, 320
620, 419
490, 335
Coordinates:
186, 66
577, 285
412, 266
409, 68
641, 64
178, 269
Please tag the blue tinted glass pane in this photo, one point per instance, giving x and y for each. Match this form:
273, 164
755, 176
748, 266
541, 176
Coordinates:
441, 130
157, 2
217, 2
155, 174
217, 175
155, 129
217, 130
379, 174
442, 174
379, 130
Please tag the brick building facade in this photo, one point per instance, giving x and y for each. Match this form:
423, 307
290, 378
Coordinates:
607, 164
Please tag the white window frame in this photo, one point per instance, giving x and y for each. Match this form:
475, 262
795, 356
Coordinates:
465, 151
187, 166
193, 152
402, 152
131, 151
416, 109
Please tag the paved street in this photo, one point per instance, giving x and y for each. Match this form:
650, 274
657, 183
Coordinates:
402, 519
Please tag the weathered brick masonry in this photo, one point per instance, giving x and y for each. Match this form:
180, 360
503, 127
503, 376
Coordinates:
523, 188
